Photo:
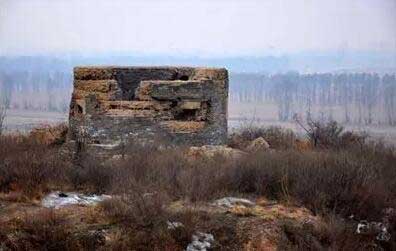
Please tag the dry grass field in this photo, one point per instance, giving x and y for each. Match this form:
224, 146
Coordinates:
333, 192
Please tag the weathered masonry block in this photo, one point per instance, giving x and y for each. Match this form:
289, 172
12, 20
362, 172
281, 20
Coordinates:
114, 106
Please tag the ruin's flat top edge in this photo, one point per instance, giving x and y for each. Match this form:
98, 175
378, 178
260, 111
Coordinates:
146, 67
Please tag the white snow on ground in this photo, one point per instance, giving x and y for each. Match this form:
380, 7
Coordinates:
232, 201
377, 228
174, 224
200, 242
59, 199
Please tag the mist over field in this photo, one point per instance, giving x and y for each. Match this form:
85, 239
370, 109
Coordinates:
268, 89
333, 60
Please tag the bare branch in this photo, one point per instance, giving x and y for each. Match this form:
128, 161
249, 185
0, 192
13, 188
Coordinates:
4, 104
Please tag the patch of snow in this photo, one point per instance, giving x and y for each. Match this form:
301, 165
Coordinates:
148, 195
384, 235
174, 224
200, 242
59, 199
362, 227
111, 146
117, 156
232, 201
378, 229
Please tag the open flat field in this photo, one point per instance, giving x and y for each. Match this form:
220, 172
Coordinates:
25, 120
240, 114
246, 114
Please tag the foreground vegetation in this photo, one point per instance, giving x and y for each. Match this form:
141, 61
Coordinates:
339, 176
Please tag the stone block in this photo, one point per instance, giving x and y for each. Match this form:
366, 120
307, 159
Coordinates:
181, 105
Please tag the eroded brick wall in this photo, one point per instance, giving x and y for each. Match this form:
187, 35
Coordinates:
112, 107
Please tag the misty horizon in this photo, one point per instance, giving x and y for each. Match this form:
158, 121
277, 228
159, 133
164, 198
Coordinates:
263, 45
207, 29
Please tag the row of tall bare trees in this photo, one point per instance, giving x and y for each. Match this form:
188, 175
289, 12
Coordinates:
363, 98
5, 98
37, 90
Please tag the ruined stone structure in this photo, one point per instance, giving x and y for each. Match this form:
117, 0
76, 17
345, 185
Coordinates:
114, 106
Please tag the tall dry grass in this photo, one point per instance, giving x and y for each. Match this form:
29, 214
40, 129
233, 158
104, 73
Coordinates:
355, 179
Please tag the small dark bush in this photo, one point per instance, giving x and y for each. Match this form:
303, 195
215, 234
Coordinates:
137, 209
144, 223
91, 176
30, 167
331, 234
49, 135
45, 230
331, 135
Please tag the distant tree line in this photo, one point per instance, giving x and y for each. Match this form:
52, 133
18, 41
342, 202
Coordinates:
363, 98
37, 90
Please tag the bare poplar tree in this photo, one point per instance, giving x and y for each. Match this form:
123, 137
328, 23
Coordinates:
4, 104
5, 99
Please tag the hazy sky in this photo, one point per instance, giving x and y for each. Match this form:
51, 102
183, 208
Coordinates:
196, 27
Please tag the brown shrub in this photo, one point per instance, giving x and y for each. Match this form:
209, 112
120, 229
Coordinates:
45, 230
354, 180
48, 229
172, 172
137, 208
303, 145
49, 135
143, 220
148, 167
333, 233
29, 166
91, 176
357, 180
331, 135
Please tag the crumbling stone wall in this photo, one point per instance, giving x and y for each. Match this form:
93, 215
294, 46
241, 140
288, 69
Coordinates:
114, 106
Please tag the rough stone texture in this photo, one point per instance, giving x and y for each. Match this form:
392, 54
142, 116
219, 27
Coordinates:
113, 106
